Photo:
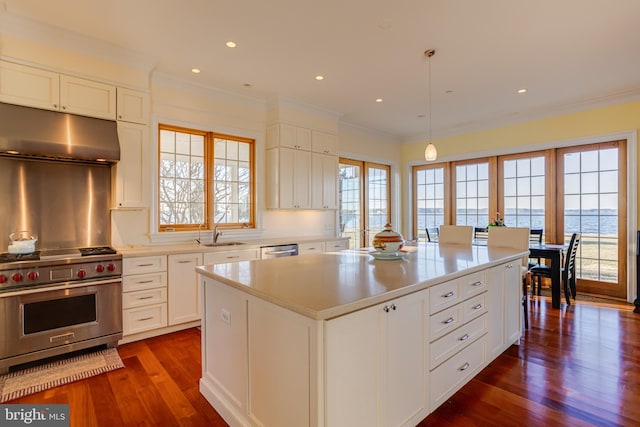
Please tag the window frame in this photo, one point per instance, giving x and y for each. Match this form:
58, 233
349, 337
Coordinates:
207, 224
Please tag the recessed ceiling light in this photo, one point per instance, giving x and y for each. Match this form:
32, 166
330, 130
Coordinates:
319, 77
195, 70
523, 90
230, 44
378, 100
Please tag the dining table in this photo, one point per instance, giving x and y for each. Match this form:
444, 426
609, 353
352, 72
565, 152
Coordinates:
554, 253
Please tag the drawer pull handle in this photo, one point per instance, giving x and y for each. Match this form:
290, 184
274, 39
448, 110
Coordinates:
144, 318
464, 337
478, 283
234, 256
394, 307
448, 295
386, 308
149, 297
144, 281
449, 320
464, 367
185, 261
145, 265
477, 307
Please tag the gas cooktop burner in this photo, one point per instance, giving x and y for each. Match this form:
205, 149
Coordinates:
7, 257
98, 250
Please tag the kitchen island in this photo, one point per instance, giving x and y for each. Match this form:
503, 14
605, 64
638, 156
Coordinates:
342, 339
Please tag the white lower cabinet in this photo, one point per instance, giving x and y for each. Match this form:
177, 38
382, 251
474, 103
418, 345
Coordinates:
504, 297
390, 364
310, 248
231, 256
376, 364
184, 293
144, 294
456, 372
336, 245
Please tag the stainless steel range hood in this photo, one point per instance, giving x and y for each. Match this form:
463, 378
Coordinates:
31, 132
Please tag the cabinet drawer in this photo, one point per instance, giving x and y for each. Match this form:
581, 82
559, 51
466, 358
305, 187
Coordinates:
144, 318
149, 264
455, 372
310, 248
448, 345
143, 298
474, 307
230, 256
336, 245
139, 282
472, 284
445, 321
443, 296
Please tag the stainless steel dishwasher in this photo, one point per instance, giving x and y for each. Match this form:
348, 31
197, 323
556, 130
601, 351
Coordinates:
277, 251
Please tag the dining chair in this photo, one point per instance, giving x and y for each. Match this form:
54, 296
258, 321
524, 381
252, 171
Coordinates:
432, 234
535, 237
514, 238
455, 234
568, 273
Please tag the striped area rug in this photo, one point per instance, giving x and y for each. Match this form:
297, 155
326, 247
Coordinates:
41, 377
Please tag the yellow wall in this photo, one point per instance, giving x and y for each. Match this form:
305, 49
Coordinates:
621, 117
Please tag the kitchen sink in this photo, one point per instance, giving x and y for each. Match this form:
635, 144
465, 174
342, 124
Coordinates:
222, 244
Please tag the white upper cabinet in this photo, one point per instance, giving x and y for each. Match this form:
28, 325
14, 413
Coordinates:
38, 88
133, 106
29, 86
87, 98
283, 135
324, 170
325, 143
129, 182
288, 179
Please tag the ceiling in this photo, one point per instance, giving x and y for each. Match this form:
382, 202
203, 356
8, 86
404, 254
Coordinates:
568, 54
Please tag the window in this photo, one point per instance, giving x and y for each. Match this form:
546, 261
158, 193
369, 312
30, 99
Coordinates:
204, 178
429, 199
591, 184
472, 194
562, 191
364, 200
523, 191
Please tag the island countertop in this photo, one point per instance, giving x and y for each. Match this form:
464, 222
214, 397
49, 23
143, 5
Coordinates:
332, 284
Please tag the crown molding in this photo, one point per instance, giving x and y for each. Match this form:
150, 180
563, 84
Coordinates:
44, 34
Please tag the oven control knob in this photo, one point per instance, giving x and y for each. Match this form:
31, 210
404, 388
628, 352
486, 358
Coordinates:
3, 278
33, 275
82, 273
99, 268
17, 277
111, 267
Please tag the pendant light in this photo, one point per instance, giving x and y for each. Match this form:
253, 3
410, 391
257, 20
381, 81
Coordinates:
430, 153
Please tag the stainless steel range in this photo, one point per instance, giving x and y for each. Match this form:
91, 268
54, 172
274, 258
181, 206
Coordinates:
56, 175
54, 302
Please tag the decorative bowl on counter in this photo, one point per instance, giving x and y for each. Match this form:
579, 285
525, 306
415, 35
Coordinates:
388, 241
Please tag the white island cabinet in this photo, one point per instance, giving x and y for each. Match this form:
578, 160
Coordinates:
340, 339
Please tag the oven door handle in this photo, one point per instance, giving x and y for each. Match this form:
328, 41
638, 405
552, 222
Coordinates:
61, 286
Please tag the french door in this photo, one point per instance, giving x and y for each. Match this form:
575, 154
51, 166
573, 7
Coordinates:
364, 200
592, 196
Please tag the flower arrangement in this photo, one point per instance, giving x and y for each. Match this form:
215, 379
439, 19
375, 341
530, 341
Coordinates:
496, 221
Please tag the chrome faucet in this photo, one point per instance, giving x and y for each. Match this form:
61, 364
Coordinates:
216, 233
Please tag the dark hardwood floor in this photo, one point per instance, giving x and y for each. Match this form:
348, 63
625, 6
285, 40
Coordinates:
577, 366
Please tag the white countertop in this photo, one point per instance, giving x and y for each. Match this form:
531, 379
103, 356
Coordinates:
182, 248
322, 286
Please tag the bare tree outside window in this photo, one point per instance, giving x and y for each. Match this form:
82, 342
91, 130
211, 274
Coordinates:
193, 182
